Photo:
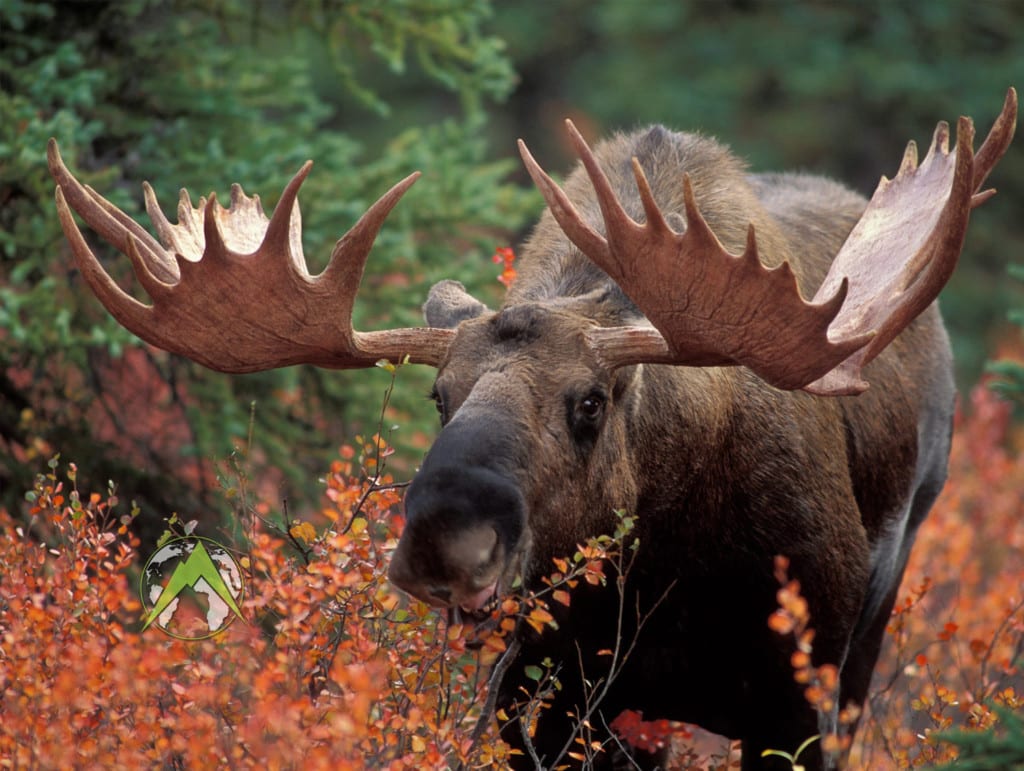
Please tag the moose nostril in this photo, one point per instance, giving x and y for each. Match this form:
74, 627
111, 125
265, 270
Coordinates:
443, 593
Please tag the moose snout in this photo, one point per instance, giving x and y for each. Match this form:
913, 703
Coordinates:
462, 526
464, 573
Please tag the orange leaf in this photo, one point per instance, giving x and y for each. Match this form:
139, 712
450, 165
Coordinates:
780, 622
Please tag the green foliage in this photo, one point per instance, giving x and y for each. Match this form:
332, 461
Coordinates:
202, 95
1010, 372
442, 36
999, 747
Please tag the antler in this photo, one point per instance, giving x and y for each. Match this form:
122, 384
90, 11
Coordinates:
903, 250
720, 309
230, 288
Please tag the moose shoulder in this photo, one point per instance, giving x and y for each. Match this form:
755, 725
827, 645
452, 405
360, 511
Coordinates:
656, 356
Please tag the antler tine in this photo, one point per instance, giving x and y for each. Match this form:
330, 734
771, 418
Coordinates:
101, 215
125, 308
284, 233
348, 259
619, 226
231, 290
705, 315
168, 233
590, 242
996, 143
904, 249
652, 213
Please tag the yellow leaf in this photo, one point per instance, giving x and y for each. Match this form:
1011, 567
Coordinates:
418, 745
358, 526
303, 531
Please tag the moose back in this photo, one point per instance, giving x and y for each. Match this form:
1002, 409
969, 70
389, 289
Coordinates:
656, 356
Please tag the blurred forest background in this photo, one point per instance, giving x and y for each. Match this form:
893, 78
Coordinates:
203, 93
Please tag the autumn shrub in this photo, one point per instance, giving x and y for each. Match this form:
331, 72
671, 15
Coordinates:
334, 668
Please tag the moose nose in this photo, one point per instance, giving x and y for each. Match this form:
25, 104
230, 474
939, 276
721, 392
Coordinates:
463, 522
450, 572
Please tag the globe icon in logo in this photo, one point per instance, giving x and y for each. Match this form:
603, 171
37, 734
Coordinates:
191, 588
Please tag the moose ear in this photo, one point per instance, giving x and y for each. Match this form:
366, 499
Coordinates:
449, 304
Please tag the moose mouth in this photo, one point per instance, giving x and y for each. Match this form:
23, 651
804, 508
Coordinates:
478, 621
479, 611
483, 602
477, 615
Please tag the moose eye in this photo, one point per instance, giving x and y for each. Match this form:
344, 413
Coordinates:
591, 406
586, 416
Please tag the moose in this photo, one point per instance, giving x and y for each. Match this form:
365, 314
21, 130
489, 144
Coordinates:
656, 355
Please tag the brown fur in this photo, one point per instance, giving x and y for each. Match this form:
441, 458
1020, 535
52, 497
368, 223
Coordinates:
722, 471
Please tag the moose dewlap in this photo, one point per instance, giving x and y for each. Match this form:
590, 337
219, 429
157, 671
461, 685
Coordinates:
656, 356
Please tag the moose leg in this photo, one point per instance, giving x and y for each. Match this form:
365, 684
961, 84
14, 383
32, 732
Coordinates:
856, 676
867, 640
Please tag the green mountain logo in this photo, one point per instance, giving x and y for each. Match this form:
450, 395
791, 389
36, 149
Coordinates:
199, 566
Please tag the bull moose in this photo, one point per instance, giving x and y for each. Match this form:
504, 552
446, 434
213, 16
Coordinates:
656, 356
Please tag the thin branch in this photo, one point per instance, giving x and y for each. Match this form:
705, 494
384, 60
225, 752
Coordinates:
528, 743
605, 684
614, 739
995, 638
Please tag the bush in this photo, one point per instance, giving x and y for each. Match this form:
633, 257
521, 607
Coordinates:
334, 668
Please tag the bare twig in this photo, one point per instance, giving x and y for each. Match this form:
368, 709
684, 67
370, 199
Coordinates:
995, 638
618, 664
613, 739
